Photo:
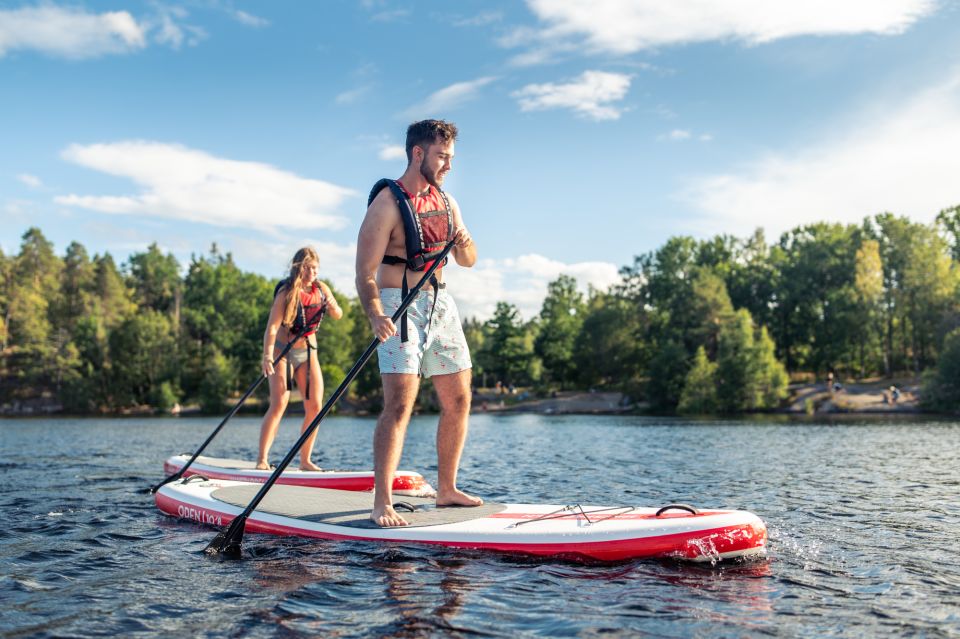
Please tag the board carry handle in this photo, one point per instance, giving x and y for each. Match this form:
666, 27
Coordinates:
177, 475
687, 507
228, 542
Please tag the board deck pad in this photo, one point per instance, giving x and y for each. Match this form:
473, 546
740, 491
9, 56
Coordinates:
347, 508
246, 464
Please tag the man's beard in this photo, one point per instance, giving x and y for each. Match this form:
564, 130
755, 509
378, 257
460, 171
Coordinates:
432, 178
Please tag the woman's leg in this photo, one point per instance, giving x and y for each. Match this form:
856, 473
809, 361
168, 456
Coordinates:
279, 396
311, 407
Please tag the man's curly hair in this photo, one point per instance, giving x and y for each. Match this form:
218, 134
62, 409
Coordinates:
427, 132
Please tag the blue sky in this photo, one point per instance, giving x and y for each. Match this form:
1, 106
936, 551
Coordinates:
590, 132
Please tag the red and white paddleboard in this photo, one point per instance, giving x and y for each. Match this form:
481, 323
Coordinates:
405, 482
575, 531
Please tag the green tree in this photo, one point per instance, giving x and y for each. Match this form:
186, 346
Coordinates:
669, 365
929, 280
815, 325
34, 285
474, 334
77, 287
226, 308
367, 384
6, 283
113, 301
709, 307
507, 350
749, 377
155, 279
948, 220
561, 319
868, 290
144, 358
607, 352
753, 281
699, 396
90, 389
219, 379
941, 385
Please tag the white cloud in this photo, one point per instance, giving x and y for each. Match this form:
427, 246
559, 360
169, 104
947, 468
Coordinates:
902, 160
682, 135
187, 184
589, 95
479, 20
352, 96
69, 32
521, 281
392, 152
448, 98
249, 19
627, 26
30, 180
170, 29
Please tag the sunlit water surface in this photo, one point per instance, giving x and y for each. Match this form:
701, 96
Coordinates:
864, 522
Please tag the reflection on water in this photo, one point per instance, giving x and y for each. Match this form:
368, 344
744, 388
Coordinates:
862, 521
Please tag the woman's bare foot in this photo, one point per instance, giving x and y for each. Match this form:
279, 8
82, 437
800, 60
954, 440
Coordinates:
262, 465
457, 498
387, 517
309, 465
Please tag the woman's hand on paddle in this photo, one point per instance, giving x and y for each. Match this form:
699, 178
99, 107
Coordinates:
267, 366
383, 327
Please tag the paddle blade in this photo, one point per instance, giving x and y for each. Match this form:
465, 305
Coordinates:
228, 543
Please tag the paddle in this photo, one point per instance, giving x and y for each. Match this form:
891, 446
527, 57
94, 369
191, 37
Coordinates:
177, 475
228, 542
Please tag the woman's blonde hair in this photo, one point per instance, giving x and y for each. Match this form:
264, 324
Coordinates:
301, 259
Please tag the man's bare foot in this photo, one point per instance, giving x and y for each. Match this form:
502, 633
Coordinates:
263, 465
309, 465
387, 517
457, 498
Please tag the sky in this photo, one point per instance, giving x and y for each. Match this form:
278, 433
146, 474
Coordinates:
590, 132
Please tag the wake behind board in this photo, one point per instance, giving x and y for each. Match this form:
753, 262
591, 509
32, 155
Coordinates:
405, 482
575, 531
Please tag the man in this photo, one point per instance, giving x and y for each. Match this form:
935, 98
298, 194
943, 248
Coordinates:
408, 221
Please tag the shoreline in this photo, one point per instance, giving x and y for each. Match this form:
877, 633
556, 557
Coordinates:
870, 398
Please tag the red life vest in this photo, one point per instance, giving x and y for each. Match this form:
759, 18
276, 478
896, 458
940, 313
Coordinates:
311, 308
427, 228
427, 224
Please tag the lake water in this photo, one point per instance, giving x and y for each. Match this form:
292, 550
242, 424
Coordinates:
863, 517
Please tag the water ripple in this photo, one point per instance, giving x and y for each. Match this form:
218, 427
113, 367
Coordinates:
862, 521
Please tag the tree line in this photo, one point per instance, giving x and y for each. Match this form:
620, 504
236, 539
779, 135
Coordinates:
696, 326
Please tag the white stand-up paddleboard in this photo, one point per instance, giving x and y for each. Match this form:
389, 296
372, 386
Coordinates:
575, 530
405, 482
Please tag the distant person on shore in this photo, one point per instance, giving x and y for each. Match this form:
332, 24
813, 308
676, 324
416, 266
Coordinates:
894, 394
299, 303
408, 222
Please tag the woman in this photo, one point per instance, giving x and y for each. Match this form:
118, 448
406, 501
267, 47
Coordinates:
299, 303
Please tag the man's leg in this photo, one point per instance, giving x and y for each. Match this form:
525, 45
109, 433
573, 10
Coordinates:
399, 395
453, 391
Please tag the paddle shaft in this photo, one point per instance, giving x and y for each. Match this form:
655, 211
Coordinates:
228, 542
233, 411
